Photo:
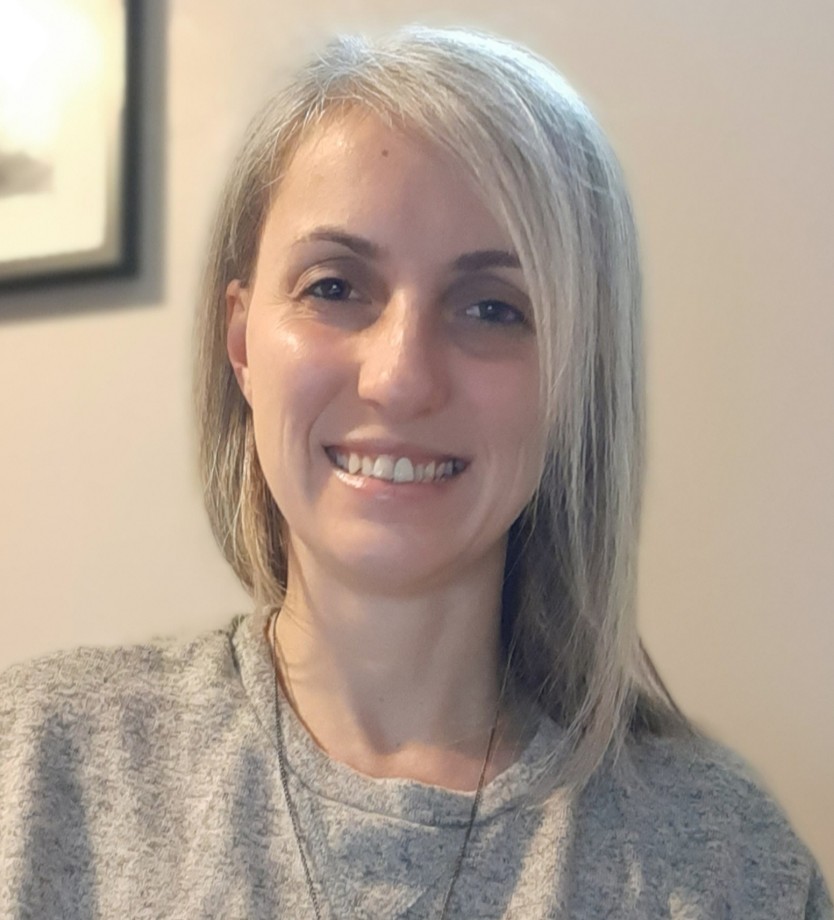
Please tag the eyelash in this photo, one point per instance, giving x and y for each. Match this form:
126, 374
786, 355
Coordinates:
507, 315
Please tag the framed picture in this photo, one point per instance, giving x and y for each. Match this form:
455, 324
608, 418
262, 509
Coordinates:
68, 71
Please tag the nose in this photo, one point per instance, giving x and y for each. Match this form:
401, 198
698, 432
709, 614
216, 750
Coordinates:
402, 360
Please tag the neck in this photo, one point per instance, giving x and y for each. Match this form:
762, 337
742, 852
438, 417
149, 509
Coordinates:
397, 686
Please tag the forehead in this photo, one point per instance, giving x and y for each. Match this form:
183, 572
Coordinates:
386, 183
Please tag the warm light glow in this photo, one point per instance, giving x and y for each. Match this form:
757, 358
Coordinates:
61, 84
49, 51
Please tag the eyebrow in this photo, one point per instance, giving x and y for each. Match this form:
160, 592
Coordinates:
357, 244
468, 262
486, 258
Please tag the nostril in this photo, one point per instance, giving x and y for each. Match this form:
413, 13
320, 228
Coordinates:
406, 377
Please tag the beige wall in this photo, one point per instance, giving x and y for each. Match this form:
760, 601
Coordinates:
723, 112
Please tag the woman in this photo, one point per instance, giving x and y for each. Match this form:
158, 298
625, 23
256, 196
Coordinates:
420, 404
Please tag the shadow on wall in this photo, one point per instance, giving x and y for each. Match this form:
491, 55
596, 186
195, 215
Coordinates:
48, 299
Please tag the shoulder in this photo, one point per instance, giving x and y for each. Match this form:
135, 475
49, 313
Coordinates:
90, 686
693, 810
699, 783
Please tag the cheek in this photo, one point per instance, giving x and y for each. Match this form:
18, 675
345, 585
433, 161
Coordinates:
504, 404
506, 400
294, 372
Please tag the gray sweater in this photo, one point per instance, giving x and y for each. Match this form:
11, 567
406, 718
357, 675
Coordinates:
142, 782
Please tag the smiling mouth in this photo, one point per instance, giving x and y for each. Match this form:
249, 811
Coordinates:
395, 469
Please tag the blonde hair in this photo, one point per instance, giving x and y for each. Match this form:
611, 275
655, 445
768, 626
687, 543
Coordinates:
546, 170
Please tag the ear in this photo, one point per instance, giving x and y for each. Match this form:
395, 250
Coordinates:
237, 315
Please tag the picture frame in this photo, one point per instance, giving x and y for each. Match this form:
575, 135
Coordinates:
68, 140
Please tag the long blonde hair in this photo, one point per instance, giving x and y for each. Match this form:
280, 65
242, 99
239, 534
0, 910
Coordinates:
548, 173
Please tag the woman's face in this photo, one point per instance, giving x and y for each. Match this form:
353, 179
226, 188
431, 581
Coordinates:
386, 347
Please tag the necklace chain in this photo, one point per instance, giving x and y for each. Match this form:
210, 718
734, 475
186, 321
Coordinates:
296, 825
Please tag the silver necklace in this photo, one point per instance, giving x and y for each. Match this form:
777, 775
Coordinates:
296, 825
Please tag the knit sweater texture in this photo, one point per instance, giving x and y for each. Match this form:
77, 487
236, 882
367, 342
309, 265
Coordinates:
143, 782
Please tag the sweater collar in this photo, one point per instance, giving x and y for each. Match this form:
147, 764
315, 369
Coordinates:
404, 799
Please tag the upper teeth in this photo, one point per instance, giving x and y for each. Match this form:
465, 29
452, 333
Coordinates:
395, 469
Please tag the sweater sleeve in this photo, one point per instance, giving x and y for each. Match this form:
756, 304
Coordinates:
83, 749
47, 712
818, 906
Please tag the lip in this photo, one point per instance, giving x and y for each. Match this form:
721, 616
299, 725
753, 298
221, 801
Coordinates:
393, 494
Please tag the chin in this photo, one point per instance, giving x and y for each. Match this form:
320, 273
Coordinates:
388, 571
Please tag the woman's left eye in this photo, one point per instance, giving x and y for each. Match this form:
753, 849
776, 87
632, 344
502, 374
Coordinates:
329, 289
495, 312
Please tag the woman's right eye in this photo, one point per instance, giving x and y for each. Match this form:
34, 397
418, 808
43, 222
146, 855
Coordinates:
329, 289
